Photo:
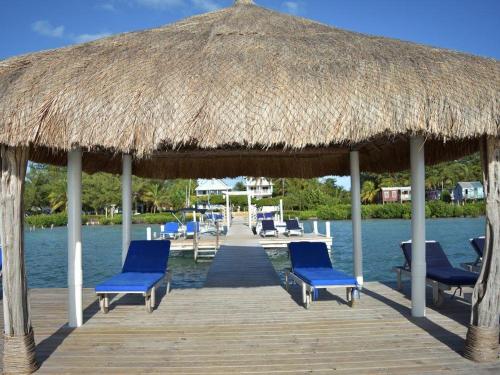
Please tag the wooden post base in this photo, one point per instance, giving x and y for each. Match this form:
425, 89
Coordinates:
19, 354
481, 344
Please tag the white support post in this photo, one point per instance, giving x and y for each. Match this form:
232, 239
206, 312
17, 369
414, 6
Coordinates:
228, 212
418, 264
126, 204
194, 216
357, 248
249, 197
315, 227
148, 233
327, 229
282, 217
75, 312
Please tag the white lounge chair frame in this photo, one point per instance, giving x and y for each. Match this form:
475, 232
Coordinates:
149, 295
308, 290
438, 288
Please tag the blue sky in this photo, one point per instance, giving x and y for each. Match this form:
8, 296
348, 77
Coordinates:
471, 26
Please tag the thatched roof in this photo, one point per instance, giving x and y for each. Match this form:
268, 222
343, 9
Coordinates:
247, 91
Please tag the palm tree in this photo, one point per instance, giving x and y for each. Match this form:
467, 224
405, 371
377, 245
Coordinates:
58, 198
369, 192
155, 195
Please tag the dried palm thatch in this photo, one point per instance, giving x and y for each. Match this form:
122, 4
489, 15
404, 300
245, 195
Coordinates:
207, 95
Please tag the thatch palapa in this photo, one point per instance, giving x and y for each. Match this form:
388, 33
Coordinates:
247, 78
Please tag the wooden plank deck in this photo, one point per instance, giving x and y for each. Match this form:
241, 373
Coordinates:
237, 325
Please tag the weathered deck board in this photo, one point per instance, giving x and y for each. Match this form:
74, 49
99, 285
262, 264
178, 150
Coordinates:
245, 322
251, 330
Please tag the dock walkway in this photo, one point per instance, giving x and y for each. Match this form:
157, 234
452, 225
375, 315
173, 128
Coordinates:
244, 322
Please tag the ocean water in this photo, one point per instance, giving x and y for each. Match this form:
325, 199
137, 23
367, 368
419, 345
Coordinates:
46, 250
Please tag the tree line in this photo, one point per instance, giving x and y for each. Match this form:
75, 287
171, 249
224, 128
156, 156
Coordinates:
45, 190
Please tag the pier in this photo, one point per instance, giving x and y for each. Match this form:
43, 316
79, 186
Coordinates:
243, 321
206, 246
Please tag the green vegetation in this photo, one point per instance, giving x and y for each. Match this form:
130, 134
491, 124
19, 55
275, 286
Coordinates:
45, 196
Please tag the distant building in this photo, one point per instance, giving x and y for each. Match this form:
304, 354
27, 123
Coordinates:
213, 186
395, 194
468, 191
259, 187
433, 195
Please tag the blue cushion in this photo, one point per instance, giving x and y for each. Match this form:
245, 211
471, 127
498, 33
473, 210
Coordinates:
130, 282
192, 227
324, 276
171, 227
292, 225
268, 225
451, 276
305, 254
478, 245
439, 267
147, 256
434, 254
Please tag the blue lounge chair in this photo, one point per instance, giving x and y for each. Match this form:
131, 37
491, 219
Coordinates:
478, 246
312, 269
260, 216
144, 269
192, 228
268, 229
293, 228
268, 215
170, 231
441, 275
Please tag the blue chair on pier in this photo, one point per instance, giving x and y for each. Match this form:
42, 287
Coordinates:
268, 215
441, 275
260, 216
293, 228
312, 270
192, 228
268, 229
170, 231
144, 270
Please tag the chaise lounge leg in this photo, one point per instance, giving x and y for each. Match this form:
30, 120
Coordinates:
399, 283
304, 294
153, 297
103, 303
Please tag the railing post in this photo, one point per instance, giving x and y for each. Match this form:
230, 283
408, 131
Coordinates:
418, 264
126, 204
357, 247
75, 276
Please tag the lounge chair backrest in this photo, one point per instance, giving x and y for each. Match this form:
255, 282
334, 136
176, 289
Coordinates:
192, 227
268, 225
172, 227
309, 255
435, 257
292, 224
147, 257
478, 245
260, 216
268, 215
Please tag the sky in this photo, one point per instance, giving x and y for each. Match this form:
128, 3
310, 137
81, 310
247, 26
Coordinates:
471, 26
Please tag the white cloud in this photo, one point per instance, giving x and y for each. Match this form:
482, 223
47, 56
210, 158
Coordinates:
106, 6
206, 5
291, 6
82, 38
45, 28
160, 4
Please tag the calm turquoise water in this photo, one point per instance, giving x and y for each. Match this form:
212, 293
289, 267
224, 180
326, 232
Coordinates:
46, 252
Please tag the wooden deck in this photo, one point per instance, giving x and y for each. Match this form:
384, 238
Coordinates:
243, 321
